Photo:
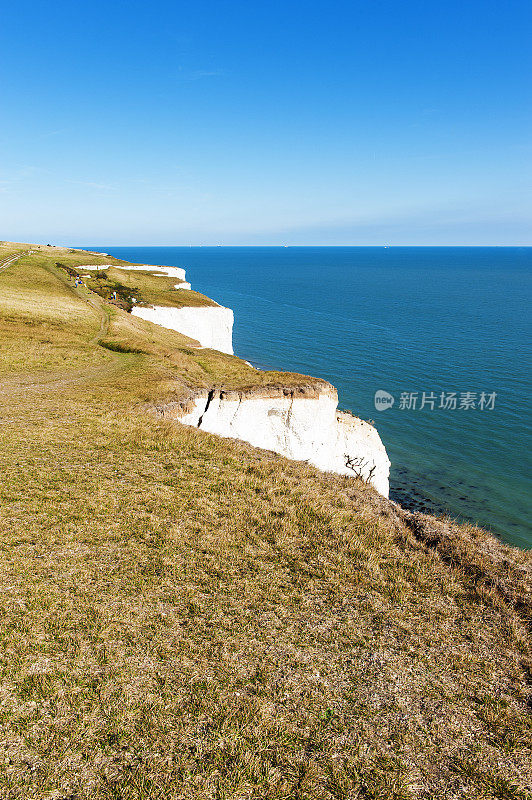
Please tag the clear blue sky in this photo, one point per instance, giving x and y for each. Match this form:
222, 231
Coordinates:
361, 122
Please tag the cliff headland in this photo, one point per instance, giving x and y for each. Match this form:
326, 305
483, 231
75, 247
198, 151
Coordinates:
188, 613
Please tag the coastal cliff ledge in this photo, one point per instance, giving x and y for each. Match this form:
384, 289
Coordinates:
211, 326
301, 423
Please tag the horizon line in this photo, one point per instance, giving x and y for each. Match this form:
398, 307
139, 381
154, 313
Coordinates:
287, 246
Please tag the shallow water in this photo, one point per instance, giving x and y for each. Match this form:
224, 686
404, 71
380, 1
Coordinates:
403, 320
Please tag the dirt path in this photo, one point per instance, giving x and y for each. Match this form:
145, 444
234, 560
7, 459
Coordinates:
11, 259
88, 297
55, 381
58, 380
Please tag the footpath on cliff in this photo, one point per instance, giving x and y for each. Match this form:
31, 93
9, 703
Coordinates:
185, 616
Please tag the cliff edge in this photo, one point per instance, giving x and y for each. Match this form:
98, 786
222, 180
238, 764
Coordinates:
300, 423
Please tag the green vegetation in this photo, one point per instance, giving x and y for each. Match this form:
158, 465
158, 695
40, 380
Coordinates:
101, 284
157, 290
186, 617
142, 286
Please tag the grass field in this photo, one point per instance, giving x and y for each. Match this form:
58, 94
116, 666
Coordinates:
184, 616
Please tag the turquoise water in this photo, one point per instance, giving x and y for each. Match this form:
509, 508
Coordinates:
403, 320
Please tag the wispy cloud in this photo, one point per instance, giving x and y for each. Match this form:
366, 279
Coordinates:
198, 74
29, 171
19, 175
48, 134
94, 185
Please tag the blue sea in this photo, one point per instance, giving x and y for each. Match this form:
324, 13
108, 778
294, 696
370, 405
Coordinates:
445, 331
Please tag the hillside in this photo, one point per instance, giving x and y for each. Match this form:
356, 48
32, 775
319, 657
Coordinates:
185, 616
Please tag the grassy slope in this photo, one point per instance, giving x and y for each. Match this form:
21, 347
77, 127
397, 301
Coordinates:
186, 617
159, 291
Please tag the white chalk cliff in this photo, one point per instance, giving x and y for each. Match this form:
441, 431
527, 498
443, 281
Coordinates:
163, 272
301, 423
211, 326
167, 272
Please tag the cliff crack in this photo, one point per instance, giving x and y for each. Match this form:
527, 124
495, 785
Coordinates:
207, 404
237, 410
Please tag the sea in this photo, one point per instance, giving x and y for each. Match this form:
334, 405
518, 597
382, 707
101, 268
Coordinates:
440, 336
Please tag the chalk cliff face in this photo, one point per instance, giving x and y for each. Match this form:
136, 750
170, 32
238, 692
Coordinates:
211, 326
301, 423
168, 272
163, 272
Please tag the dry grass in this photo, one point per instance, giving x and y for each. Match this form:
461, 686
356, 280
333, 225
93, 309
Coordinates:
186, 617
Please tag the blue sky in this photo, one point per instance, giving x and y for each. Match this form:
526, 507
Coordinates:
397, 122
